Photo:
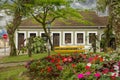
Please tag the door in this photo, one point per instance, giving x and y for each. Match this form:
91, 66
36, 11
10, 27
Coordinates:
20, 40
56, 39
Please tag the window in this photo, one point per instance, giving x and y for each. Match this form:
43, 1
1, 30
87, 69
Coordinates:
43, 35
67, 37
79, 37
32, 34
90, 37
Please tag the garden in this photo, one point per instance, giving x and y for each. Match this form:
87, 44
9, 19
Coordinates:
76, 66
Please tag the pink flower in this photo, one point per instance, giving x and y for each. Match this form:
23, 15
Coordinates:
80, 76
90, 59
87, 73
69, 59
97, 75
105, 71
64, 59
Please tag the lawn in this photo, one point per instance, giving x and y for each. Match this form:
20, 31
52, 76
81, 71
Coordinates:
21, 58
25, 57
12, 73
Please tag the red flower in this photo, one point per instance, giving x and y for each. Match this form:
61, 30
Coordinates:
58, 60
105, 71
52, 60
101, 59
73, 65
111, 70
64, 59
59, 67
87, 67
57, 64
112, 77
49, 69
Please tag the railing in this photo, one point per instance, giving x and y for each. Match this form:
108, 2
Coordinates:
69, 49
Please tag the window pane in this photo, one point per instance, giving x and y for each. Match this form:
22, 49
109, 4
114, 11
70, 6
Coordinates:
44, 37
90, 37
32, 34
79, 37
67, 37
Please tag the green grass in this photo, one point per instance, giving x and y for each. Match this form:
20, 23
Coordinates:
22, 58
12, 73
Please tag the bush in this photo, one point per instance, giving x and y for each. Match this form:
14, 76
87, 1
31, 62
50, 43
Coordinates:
74, 67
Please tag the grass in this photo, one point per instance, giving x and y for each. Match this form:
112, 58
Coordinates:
12, 73
21, 58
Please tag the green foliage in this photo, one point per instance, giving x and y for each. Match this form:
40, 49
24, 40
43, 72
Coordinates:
36, 45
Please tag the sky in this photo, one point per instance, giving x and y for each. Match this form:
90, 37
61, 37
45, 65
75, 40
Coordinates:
89, 4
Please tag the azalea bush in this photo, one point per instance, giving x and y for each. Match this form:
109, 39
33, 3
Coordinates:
75, 67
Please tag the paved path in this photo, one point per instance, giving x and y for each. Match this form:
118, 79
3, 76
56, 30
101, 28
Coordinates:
3, 65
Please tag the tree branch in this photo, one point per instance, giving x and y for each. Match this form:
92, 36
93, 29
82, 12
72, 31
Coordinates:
36, 19
54, 19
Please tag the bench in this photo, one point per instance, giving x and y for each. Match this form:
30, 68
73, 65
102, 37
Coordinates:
69, 49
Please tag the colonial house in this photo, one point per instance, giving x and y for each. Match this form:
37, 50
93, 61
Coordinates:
71, 33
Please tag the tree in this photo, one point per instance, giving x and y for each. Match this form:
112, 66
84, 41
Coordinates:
16, 9
47, 11
102, 5
114, 16
116, 23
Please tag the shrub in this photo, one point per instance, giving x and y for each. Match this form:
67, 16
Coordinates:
74, 67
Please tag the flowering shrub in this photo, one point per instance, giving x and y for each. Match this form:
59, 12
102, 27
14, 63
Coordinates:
74, 67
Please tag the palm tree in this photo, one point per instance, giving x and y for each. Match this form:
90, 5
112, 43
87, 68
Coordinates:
17, 9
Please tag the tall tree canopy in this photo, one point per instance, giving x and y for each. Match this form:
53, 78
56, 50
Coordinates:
47, 11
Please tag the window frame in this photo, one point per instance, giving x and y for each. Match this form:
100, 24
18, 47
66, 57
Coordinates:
83, 38
71, 38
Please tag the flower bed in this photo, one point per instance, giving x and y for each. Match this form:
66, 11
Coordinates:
75, 67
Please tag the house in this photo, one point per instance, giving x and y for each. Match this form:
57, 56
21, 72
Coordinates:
71, 33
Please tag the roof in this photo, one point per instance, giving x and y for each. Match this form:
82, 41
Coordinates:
89, 16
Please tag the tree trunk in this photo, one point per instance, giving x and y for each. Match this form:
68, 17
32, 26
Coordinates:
11, 28
13, 51
117, 38
48, 36
50, 42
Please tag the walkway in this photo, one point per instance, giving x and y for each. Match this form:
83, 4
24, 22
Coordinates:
4, 65
3, 54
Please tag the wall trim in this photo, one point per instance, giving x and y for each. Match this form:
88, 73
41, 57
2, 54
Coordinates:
32, 32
